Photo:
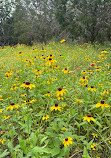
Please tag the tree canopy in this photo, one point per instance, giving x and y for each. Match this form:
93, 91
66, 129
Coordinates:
28, 21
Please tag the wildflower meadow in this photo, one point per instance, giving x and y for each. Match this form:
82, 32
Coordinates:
55, 101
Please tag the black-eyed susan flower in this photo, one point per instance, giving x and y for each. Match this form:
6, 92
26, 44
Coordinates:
94, 135
88, 118
38, 72
104, 52
55, 78
100, 85
29, 101
1, 110
91, 88
87, 59
9, 73
97, 69
7, 76
56, 67
83, 81
60, 93
42, 50
47, 94
1, 97
84, 72
2, 141
56, 107
6, 117
67, 141
102, 104
45, 117
27, 85
13, 87
50, 62
64, 128
105, 92
65, 70
20, 54
50, 56
93, 146
60, 56
12, 106
23, 95
62, 41
79, 101
83, 78
63, 105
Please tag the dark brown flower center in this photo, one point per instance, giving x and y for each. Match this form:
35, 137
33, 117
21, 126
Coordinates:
20, 52
12, 104
59, 88
56, 105
65, 68
27, 83
83, 77
50, 55
50, 58
35, 57
102, 102
92, 87
48, 92
66, 139
89, 115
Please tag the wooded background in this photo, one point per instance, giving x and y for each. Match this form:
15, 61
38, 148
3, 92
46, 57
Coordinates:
29, 21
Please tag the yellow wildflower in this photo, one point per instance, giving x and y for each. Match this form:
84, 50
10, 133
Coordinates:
45, 117
56, 107
88, 118
67, 141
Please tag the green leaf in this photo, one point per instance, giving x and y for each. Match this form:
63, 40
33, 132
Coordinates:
22, 145
89, 144
78, 125
47, 150
37, 149
5, 153
98, 124
43, 139
28, 124
85, 153
33, 138
55, 151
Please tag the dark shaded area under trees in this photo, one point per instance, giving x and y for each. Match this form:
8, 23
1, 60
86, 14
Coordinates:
28, 21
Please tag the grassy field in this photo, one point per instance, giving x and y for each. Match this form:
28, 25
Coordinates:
55, 101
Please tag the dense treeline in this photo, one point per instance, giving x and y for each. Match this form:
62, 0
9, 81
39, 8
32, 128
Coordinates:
28, 21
